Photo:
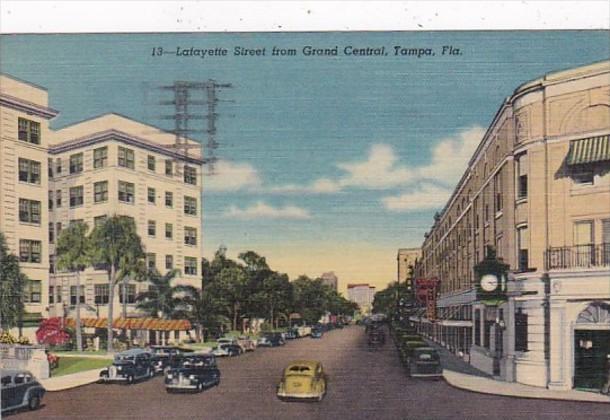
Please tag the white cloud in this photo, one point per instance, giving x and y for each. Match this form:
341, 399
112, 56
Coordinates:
232, 176
451, 155
425, 197
321, 186
262, 210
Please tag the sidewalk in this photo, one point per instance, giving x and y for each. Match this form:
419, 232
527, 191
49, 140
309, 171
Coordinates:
462, 375
60, 383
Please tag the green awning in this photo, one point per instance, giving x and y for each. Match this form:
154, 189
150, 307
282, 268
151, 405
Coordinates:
589, 150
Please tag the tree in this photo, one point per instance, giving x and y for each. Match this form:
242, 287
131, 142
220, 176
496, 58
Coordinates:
114, 244
199, 307
309, 298
273, 297
229, 289
134, 268
161, 300
11, 288
73, 255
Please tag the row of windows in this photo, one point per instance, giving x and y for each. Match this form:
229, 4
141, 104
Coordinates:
125, 159
28, 131
190, 233
101, 294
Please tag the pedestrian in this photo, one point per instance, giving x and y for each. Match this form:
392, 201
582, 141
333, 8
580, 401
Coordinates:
606, 388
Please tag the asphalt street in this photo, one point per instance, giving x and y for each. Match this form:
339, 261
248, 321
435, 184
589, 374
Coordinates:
363, 384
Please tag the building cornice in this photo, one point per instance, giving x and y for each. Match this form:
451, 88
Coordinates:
116, 135
27, 107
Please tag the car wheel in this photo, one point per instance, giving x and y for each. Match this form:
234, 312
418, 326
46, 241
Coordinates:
34, 402
168, 390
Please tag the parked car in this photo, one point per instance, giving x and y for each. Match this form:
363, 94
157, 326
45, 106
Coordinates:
290, 334
302, 379
225, 349
129, 366
271, 340
425, 362
193, 373
304, 330
376, 339
164, 357
316, 333
406, 349
20, 389
246, 343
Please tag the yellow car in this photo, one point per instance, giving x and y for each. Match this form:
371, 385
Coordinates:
302, 379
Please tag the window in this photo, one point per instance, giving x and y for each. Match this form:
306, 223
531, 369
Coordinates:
81, 295
523, 246
605, 241
126, 158
126, 192
487, 334
101, 294
131, 294
58, 198
98, 220
76, 221
51, 233
58, 229
51, 295
76, 163
32, 291
52, 260
522, 176
169, 167
520, 331
169, 231
152, 228
190, 175
29, 171
169, 199
190, 206
51, 201
30, 250
169, 262
100, 157
76, 196
190, 266
151, 163
584, 251
59, 295
151, 195
151, 261
498, 192
29, 211
100, 191
477, 327
50, 167
190, 236
58, 168
583, 177
29, 131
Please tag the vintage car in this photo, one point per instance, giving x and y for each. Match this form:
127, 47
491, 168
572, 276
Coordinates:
407, 348
316, 333
304, 330
271, 340
425, 362
20, 389
224, 349
193, 373
376, 339
302, 380
129, 366
164, 357
246, 343
290, 334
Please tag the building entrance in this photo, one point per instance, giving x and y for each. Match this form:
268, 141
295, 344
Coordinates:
590, 350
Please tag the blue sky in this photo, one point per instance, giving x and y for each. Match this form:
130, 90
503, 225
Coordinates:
327, 163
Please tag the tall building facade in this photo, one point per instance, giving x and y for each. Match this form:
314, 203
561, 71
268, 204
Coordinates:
537, 191
362, 294
330, 279
86, 172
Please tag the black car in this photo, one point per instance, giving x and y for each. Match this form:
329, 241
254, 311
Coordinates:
164, 357
129, 366
271, 340
194, 373
20, 389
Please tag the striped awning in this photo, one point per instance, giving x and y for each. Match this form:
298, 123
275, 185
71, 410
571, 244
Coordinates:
589, 150
154, 324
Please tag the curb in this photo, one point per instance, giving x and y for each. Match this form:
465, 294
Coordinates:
86, 380
474, 389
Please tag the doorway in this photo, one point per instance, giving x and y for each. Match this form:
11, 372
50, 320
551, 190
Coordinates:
591, 348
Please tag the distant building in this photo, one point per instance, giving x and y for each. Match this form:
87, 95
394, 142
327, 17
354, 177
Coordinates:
362, 294
330, 279
406, 258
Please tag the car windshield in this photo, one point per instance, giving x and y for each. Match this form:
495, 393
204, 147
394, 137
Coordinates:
299, 369
119, 358
428, 356
198, 362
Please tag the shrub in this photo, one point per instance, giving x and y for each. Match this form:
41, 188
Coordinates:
7, 338
51, 332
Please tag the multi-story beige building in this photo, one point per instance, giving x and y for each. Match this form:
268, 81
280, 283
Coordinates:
86, 172
537, 190
24, 216
362, 294
405, 261
330, 279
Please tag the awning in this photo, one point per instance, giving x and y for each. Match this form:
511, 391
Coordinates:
589, 150
154, 324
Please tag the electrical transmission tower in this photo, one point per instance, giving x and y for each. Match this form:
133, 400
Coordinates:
194, 101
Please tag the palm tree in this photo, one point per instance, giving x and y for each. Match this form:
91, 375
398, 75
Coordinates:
73, 255
114, 245
162, 299
11, 288
199, 307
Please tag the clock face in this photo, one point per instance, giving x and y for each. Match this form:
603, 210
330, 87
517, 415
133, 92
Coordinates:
489, 282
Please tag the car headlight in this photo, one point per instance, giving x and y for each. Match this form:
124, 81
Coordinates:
192, 377
170, 376
119, 368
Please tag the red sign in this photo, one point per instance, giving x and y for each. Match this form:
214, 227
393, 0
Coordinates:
426, 295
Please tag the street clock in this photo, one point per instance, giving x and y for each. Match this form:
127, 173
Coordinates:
489, 282
491, 274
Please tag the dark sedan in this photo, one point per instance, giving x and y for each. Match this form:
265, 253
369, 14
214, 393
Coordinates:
164, 357
194, 373
20, 389
425, 362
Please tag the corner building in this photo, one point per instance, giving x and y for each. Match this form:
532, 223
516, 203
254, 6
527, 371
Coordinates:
537, 190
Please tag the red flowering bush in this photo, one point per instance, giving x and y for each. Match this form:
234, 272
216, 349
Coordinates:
51, 332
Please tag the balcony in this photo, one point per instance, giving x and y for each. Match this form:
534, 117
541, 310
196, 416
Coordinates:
578, 256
